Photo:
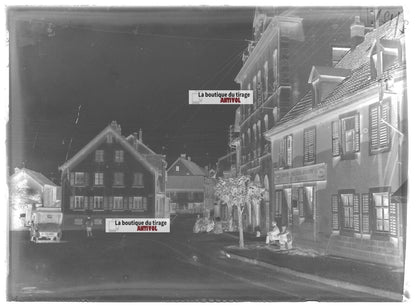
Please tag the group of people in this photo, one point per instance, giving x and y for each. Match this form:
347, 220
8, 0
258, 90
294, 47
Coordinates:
283, 238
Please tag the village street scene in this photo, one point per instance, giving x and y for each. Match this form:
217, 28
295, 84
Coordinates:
299, 196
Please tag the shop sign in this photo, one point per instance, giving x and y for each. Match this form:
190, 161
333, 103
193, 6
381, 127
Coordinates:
299, 175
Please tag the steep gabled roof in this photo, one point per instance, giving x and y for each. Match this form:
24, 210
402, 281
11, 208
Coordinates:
141, 147
360, 78
101, 137
37, 176
193, 168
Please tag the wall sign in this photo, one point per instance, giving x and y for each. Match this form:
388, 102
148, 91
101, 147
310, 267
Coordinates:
303, 174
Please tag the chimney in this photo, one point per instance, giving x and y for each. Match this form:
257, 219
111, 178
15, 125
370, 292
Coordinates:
189, 158
135, 135
183, 155
140, 135
357, 32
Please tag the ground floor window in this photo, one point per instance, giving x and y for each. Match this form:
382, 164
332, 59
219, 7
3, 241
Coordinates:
381, 208
348, 211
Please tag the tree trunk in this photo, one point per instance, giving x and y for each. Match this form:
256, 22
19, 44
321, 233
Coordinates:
240, 226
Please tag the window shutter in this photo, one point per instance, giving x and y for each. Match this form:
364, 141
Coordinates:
335, 138
335, 214
356, 216
91, 203
393, 217
106, 204
374, 110
71, 202
300, 200
365, 211
384, 128
85, 202
72, 179
145, 203
289, 144
87, 179
281, 153
130, 203
357, 134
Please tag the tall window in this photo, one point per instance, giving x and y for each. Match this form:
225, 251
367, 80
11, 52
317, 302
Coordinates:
346, 141
98, 202
138, 179
118, 203
118, 179
380, 117
381, 206
79, 202
99, 155
259, 88
348, 210
139, 203
266, 80
309, 139
275, 65
266, 122
99, 179
254, 90
285, 152
119, 156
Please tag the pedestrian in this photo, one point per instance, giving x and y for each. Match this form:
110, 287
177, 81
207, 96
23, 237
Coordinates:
88, 226
273, 235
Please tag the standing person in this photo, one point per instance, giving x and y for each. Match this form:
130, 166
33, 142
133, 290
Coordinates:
273, 235
88, 226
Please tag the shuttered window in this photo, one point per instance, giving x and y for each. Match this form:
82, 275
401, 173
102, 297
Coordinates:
335, 138
356, 210
347, 211
300, 199
381, 206
365, 213
350, 134
288, 150
380, 114
335, 213
309, 138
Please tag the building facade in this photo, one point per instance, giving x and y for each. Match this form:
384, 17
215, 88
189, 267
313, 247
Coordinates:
285, 44
341, 153
29, 189
186, 186
113, 176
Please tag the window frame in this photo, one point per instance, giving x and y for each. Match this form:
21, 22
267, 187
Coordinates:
97, 178
306, 161
99, 156
115, 184
139, 182
101, 206
119, 156
376, 149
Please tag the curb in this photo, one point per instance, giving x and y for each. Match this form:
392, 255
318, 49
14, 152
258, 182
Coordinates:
330, 282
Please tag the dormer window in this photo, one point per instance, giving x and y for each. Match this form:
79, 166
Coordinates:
390, 51
324, 80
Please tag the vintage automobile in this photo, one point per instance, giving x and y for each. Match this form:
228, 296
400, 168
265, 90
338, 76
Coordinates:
46, 225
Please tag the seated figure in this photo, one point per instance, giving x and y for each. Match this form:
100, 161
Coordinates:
273, 235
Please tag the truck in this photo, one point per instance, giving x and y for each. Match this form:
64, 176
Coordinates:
46, 225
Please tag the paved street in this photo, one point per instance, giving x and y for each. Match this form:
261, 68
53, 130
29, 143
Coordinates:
179, 266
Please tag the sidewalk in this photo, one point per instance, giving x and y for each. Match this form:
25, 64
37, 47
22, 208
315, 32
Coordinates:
307, 261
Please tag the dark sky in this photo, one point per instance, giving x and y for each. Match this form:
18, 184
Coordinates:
130, 65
